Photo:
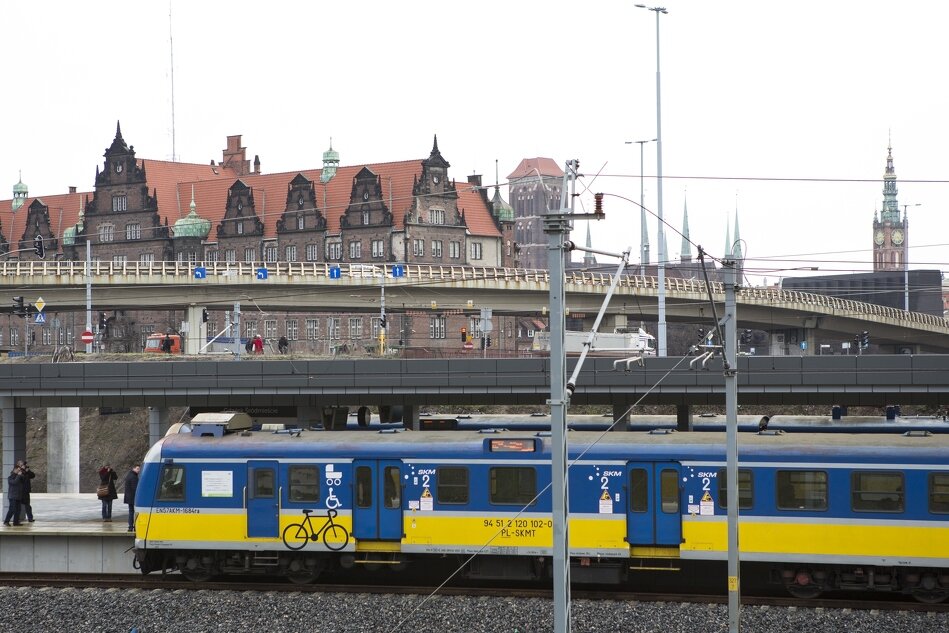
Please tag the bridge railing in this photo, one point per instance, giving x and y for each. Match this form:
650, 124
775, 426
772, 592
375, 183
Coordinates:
173, 270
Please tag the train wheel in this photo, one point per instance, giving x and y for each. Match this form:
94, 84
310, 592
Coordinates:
929, 591
803, 586
194, 571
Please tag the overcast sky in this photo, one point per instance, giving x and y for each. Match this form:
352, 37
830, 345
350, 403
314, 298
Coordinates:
783, 110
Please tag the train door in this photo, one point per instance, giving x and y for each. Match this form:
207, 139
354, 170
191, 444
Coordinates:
653, 516
263, 509
377, 499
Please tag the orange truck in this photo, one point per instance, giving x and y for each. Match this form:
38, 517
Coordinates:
153, 344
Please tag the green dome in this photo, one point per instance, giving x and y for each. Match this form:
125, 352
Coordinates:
502, 210
20, 188
192, 226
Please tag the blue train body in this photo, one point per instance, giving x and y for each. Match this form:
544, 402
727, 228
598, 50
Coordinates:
819, 511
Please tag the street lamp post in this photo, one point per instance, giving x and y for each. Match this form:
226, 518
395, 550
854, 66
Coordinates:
661, 258
906, 258
643, 234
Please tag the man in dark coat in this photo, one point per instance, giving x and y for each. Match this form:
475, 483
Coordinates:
14, 492
131, 485
28, 476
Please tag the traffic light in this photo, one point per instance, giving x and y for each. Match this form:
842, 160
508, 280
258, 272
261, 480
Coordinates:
102, 320
464, 335
489, 341
484, 342
745, 337
864, 340
204, 315
18, 309
38, 247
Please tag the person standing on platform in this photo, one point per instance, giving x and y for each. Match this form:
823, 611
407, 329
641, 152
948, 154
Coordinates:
131, 485
106, 491
283, 345
14, 493
166, 344
28, 475
258, 345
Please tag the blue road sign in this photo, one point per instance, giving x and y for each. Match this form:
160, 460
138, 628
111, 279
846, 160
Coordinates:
335, 272
261, 273
398, 271
200, 272
40, 317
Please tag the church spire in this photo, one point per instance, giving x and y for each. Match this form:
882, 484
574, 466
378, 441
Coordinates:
891, 207
588, 258
737, 251
686, 253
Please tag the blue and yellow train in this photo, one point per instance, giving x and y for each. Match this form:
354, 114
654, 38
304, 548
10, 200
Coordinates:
819, 512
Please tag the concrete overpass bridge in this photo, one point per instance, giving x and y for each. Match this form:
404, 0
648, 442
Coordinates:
309, 286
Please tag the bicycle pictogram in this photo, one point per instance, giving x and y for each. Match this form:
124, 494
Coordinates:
297, 535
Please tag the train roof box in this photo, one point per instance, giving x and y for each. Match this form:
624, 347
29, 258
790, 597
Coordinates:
216, 424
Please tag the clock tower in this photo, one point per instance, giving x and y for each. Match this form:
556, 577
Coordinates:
890, 231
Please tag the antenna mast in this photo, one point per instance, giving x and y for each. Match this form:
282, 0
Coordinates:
171, 48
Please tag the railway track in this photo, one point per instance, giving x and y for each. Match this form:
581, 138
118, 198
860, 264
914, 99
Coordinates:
174, 582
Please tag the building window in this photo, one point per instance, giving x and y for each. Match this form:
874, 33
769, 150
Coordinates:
133, 231
332, 327
293, 330
312, 329
146, 258
230, 255
375, 326
250, 254
270, 328
355, 250
192, 258
120, 260
418, 248
211, 255
378, 249
270, 252
312, 252
250, 329
437, 327
301, 223
106, 233
355, 327
454, 250
334, 250
437, 249
365, 218
47, 335
476, 250
436, 216
14, 336
239, 227
62, 336
291, 253
120, 203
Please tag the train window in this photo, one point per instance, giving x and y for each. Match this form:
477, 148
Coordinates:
263, 484
451, 485
746, 489
876, 491
802, 490
939, 493
392, 488
304, 483
638, 490
513, 485
171, 483
363, 487
669, 490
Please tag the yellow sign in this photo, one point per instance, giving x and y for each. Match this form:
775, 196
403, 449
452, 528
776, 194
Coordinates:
426, 494
39, 304
605, 496
706, 498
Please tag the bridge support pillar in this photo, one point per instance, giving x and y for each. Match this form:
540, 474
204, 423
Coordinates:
410, 418
62, 450
620, 417
14, 437
683, 417
195, 335
157, 423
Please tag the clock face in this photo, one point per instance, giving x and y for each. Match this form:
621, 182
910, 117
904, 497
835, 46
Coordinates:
897, 236
365, 196
435, 179
878, 236
118, 168
300, 202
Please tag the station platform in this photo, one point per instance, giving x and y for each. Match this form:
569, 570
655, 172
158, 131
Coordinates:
68, 536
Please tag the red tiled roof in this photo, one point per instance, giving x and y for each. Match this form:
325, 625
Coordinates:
173, 184
546, 167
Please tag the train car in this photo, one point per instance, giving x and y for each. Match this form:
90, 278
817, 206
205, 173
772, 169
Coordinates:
818, 512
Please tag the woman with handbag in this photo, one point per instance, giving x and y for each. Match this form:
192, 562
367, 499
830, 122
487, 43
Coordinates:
106, 491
